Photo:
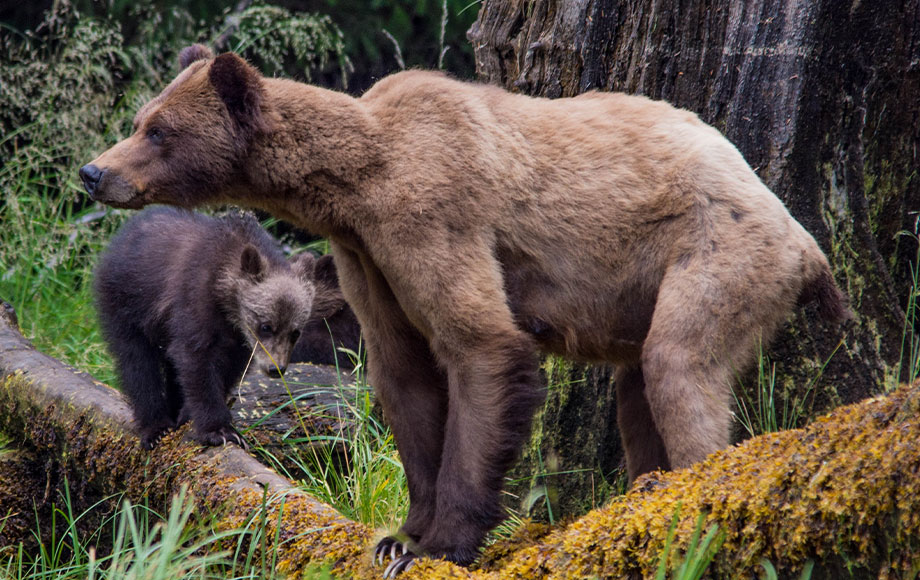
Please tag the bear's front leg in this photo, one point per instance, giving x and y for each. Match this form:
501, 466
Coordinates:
410, 386
493, 390
202, 382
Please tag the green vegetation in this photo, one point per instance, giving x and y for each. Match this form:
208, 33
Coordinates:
693, 563
138, 542
356, 470
758, 408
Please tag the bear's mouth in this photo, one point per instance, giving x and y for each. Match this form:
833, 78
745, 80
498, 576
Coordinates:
115, 191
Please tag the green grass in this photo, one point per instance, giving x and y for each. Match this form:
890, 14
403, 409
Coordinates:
357, 470
761, 409
908, 369
49, 247
695, 560
137, 542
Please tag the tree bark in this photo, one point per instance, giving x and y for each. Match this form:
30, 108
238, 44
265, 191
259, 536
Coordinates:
821, 97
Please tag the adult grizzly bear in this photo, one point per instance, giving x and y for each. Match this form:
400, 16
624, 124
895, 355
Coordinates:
185, 303
471, 228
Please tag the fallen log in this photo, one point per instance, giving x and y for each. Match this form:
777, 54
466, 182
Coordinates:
843, 493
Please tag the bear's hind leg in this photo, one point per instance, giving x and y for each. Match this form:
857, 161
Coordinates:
708, 322
644, 448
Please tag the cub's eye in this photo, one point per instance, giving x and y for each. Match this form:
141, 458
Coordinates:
265, 329
295, 335
155, 135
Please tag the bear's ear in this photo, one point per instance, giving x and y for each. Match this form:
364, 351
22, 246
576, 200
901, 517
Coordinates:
239, 86
252, 265
325, 271
194, 53
302, 265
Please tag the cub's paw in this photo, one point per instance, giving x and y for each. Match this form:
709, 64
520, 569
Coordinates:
399, 565
389, 547
150, 436
220, 436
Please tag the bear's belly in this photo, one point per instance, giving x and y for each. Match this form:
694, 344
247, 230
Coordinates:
594, 330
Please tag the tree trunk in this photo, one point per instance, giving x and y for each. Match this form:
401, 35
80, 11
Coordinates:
821, 97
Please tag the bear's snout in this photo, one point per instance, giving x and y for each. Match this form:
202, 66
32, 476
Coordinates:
275, 372
90, 175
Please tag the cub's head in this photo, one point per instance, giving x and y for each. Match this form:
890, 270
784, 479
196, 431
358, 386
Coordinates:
188, 142
269, 304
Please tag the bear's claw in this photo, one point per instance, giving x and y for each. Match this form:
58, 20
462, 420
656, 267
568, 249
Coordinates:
222, 436
399, 565
389, 545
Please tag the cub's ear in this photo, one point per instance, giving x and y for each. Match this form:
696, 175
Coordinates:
302, 264
239, 86
325, 271
193, 53
252, 265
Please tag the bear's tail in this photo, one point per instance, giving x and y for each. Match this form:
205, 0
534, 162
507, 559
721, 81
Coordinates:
833, 305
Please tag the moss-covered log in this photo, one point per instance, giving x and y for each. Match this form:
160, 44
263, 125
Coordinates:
843, 493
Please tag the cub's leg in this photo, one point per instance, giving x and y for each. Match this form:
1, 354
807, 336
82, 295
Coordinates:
174, 397
139, 365
410, 386
645, 450
204, 394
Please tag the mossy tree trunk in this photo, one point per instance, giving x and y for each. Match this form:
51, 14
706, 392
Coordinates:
823, 100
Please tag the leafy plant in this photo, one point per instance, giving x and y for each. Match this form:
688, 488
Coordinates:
757, 409
692, 564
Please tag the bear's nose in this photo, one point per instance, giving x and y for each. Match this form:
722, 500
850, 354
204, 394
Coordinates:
275, 372
90, 174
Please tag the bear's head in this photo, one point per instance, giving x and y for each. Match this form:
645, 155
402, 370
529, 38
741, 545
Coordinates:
269, 305
332, 325
188, 141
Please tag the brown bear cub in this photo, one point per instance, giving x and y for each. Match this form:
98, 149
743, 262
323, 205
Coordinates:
474, 228
186, 302
332, 326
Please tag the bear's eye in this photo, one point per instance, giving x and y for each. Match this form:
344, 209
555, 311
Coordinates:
155, 135
265, 330
295, 335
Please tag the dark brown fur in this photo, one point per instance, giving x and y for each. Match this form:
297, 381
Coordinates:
186, 302
471, 228
332, 327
